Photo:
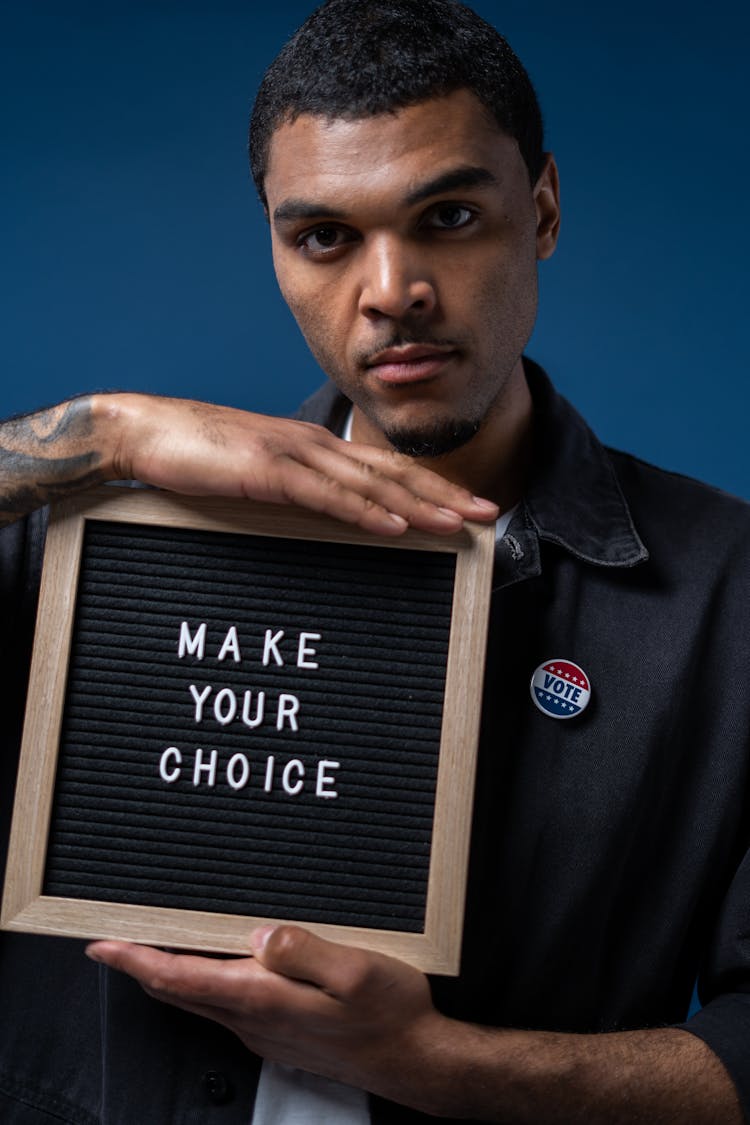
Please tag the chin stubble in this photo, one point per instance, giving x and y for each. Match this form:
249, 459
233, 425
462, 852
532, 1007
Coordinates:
435, 442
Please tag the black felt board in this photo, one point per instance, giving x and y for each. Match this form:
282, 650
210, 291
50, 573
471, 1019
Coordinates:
120, 833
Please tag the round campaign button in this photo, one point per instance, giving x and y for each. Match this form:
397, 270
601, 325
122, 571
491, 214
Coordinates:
560, 689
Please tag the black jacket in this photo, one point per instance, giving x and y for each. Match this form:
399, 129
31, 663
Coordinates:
608, 864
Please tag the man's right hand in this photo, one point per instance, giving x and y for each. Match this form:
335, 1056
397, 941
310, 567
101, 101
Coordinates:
202, 449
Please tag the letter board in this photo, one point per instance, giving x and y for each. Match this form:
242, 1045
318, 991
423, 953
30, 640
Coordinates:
241, 713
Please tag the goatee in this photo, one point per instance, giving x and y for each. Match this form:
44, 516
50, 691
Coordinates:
436, 442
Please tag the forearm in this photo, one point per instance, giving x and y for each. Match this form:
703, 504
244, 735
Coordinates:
659, 1077
45, 456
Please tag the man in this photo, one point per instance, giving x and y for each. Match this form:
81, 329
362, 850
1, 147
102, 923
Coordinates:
398, 150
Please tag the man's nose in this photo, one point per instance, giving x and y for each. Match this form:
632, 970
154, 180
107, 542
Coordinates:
396, 280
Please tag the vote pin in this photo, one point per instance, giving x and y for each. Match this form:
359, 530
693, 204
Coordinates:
560, 689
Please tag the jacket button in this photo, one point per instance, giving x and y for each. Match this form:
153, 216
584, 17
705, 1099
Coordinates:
217, 1087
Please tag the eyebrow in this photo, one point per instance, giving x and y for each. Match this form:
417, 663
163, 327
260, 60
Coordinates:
292, 210
456, 179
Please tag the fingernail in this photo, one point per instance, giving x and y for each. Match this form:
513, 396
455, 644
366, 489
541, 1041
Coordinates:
447, 513
259, 938
398, 521
92, 954
482, 503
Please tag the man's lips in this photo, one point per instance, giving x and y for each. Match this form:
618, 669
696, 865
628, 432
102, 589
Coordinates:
410, 363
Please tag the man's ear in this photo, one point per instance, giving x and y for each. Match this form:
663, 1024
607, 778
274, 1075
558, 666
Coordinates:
547, 203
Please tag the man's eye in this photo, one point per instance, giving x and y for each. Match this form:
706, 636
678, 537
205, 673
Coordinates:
450, 216
322, 238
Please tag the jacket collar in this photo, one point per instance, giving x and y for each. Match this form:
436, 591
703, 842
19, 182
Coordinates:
573, 497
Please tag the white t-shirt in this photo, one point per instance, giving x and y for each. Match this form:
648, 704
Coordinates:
287, 1096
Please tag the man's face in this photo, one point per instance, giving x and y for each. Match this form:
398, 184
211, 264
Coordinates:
406, 246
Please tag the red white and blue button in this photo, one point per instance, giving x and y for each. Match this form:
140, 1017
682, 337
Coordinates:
560, 689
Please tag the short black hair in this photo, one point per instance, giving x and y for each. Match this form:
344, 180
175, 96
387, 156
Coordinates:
359, 58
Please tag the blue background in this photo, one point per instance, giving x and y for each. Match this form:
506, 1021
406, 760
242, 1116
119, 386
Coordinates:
135, 254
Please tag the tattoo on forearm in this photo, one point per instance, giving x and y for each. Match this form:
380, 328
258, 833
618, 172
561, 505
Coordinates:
46, 456
70, 421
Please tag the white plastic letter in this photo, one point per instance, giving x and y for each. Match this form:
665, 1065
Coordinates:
170, 775
260, 708
208, 767
189, 645
231, 645
200, 699
224, 714
241, 761
288, 708
268, 783
293, 788
303, 651
270, 647
325, 780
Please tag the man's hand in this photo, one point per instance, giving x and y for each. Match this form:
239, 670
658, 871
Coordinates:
357, 1017
200, 449
368, 1020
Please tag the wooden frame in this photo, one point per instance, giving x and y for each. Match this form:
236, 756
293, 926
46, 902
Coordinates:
26, 908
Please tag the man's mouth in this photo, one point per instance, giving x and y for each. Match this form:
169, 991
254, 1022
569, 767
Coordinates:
409, 363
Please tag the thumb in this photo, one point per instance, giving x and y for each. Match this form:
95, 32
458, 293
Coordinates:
296, 953
259, 940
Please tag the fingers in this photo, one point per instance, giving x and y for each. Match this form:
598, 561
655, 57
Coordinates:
425, 484
199, 983
370, 482
298, 483
167, 975
294, 952
210, 981
355, 977
374, 504
197, 448
291, 967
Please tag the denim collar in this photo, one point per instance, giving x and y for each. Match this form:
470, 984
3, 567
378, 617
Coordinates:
572, 499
